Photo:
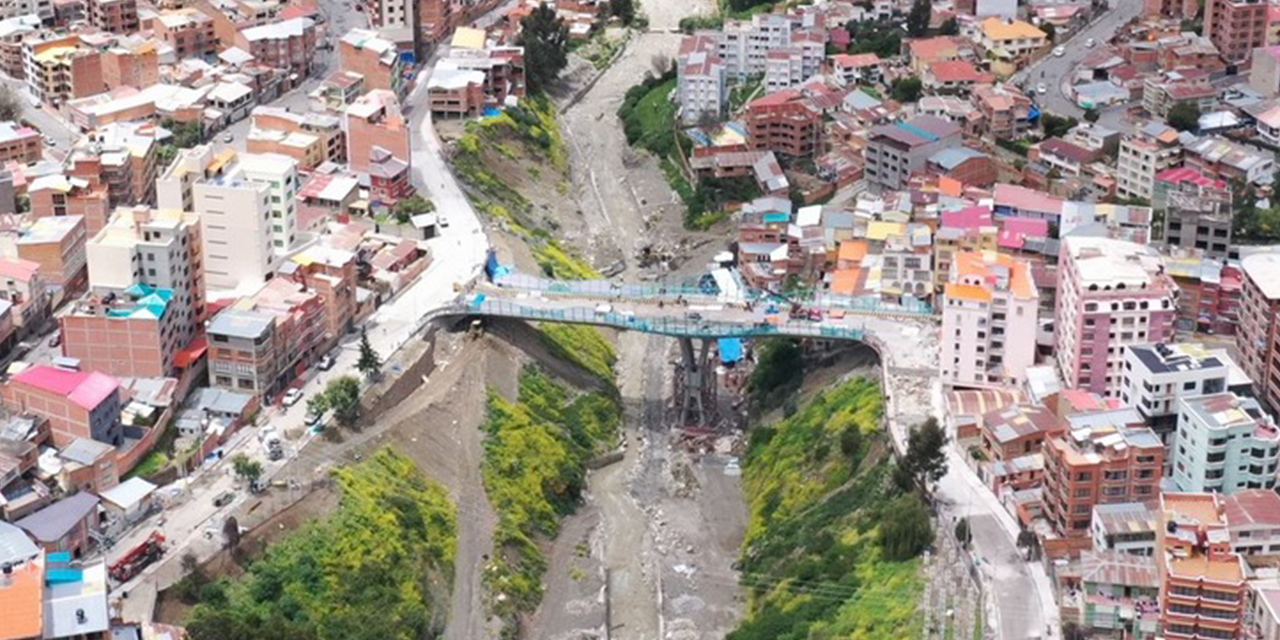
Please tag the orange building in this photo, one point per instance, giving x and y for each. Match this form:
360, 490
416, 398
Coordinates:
189, 31
786, 123
330, 272
132, 62
116, 16
374, 58
59, 196
374, 120
1202, 581
57, 244
1099, 465
19, 144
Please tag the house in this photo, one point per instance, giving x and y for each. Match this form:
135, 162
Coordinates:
64, 525
78, 404
128, 502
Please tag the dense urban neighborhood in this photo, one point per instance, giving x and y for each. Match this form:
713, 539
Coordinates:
639, 319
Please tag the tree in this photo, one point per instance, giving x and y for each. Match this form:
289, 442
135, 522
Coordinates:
231, 532
246, 468
779, 370
950, 27
963, 534
1050, 31
1056, 126
370, 364
918, 19
317, 404
905, 530
545, 39
1091, 115
1184, 116
1029, 541
343, 396
412, 206
881, 38
624, 10
926, 459
10, 104
906, 89
185, 134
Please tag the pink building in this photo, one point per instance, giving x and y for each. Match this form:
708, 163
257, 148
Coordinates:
988, 321
1111, 293
78, 404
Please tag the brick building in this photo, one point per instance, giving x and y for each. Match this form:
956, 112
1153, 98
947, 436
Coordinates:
78, 404
785, 123
374, 120
1100, 464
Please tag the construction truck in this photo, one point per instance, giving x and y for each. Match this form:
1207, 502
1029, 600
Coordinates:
138, 558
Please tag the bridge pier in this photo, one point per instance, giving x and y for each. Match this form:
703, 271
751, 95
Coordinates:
696, 390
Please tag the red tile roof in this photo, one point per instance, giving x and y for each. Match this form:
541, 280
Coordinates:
1252, 507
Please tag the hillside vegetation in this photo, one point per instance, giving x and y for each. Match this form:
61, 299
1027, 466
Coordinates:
373, 570
816, 558
504, 157
536, 450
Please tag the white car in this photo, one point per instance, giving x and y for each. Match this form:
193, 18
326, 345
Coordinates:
292, 396
1041, 89
443, 221
1090, 43
1059, 51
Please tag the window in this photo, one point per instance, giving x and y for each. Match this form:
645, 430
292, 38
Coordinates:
1189, 386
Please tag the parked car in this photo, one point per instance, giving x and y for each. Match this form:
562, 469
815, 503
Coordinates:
442, 221
326, 363
1091, 43
292, 396
1041, 89
48, 140
1059, 51
56, 340
224, 499
229, 138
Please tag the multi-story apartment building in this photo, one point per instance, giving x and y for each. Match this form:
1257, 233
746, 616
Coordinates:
1127, 527
235, 213
1225, 443
1006, 111
1170, 8
1110, 294
131, 62
1156, 376
116, 16
310, 140
391, 13
1264, 73
24, 287
501, 70
1162, 91
1236, 27
376, 59
967, 230
1010, 39
61, 68
123, 156
1253, 520
43, 10
242, 351
988, 321
743, 44
58, 246
375, 120
1218, 158
78, 404
288, 44
147, 279
330, 272
1117, 596
1202, 582
1258, 331
19, 144
849, 70
1097, 465
388, 178
1150, 151
59, 196
12, 32
895, 151
786, 123
188, 30
280, 174
791, 66
700, 79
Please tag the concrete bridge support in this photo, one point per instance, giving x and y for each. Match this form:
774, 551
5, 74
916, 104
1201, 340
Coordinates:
696, 383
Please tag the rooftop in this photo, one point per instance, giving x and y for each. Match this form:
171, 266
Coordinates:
240, 323
55, 521
1125, 518
1252, 507
87, 389
1263, 269
1170, 358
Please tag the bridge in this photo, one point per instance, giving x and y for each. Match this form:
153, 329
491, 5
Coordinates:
694, 314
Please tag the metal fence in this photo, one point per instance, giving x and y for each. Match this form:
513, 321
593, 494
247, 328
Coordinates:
662, 325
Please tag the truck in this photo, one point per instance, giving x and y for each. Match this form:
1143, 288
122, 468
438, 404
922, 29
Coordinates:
138, 558
275, 448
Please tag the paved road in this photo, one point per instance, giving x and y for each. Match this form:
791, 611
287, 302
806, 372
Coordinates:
1054, 71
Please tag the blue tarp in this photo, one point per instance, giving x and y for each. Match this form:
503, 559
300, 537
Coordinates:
730, 350
490, 112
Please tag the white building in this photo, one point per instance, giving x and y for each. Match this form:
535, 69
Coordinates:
744, 44
235, 213
700, 79
1253, 521
1143, 155
1156, 376
792, 66
1128, 527
1225, 443
988, 321
280, 173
